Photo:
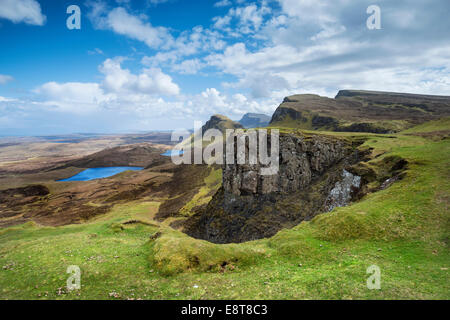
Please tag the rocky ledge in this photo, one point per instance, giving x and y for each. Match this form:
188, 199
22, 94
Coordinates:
311, 179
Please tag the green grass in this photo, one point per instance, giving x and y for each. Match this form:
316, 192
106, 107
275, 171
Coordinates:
212, 183
307, 124
404, 230
436, 125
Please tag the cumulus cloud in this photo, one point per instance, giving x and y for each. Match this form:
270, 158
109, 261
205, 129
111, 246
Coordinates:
26, 11
72, 97
247, 19
137, 27
149, 81
212, 101
120, 21
124, 23
119, 89
195, 42
191, 66
322, 46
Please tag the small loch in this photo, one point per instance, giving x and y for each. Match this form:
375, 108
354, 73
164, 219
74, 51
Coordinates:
99, 173
169, 153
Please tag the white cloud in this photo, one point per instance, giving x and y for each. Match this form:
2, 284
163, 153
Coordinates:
71, 91
5, 78
191, 66
320, 47
223, 3
123, 23
171, 49
221, 22
189, 43
27, 11
160, 58
212, 101
73, 97
4, 99
95, 51
122, 93
150, 81
248, 19
120, 90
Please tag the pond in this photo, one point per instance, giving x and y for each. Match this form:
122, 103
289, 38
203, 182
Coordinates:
169, 153
99, 173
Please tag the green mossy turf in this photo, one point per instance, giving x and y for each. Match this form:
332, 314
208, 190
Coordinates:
403, 229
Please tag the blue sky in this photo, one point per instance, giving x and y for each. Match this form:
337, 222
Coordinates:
161, 64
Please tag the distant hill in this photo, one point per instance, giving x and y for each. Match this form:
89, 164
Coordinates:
138, 155
255, 120
221, 123
360, 111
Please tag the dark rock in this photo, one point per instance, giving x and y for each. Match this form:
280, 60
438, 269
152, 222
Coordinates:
251, 206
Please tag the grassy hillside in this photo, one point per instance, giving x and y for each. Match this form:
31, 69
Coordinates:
404, 230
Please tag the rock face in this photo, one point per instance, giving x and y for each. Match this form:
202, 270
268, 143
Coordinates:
301, 160
251, 206
255, 120
343, 190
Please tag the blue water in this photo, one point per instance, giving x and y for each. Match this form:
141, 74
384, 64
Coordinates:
99, 173
174, 152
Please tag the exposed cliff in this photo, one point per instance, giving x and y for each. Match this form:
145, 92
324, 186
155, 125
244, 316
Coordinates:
251, 206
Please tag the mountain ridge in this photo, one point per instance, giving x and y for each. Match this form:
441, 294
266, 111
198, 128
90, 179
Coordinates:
360, 111
254, 120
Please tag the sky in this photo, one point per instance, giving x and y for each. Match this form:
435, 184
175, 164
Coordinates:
136, 66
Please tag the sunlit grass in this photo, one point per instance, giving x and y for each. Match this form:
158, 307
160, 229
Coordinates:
404, 230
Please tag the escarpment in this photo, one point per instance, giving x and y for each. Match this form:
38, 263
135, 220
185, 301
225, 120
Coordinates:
250, 205
360, 111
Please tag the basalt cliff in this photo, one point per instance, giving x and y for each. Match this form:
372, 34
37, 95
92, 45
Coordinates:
314, 175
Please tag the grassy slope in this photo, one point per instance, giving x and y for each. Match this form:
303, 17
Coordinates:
430, 126
288, 122
204, 195
403, 229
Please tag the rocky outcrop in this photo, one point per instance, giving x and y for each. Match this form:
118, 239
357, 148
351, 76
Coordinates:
301, 160
252, 206
221, 123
